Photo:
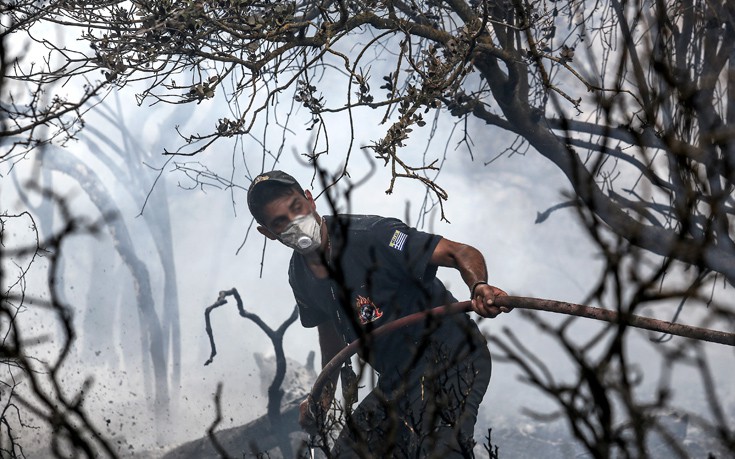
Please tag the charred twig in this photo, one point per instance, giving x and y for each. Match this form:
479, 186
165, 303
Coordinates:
218, 418
275, 394
208, 324
542, 216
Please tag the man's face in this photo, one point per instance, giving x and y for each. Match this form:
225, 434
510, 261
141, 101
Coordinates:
278, 213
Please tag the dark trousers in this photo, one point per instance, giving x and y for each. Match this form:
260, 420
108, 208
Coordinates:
433, 414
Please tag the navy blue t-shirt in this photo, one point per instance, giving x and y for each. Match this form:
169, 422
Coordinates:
380, 270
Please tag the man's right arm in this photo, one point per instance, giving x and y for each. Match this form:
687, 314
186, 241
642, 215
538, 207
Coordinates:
330, 343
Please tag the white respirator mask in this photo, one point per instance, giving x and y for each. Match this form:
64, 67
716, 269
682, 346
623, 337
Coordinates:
303, 234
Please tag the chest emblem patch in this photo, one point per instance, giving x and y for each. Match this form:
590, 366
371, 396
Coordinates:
398, 239
366, 310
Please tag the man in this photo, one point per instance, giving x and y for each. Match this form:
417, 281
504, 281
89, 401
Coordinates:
352, 273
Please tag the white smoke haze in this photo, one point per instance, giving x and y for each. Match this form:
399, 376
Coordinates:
492, 207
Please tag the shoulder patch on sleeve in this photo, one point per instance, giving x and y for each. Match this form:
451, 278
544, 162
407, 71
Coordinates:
398, 239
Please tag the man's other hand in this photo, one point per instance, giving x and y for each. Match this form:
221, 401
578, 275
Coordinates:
483, 302
311, 416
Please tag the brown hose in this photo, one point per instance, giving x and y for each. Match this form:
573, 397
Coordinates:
537, 304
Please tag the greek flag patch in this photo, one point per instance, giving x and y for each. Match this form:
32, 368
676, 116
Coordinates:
398, 240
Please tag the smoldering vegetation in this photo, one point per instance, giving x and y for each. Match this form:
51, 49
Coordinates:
111, 251
83, 297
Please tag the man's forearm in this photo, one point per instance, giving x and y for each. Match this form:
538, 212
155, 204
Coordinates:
471, 265
466, 259
330, 343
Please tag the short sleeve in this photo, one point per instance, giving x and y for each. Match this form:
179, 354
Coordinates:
406, 249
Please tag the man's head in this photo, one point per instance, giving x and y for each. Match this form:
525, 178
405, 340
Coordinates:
268, 187
285, 211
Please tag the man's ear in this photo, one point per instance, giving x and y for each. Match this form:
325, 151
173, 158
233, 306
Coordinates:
267, 233
310, 198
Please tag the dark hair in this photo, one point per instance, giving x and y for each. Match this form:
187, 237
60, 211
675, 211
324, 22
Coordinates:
267, 193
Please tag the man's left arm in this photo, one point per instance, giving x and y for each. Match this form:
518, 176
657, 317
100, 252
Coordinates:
471, 265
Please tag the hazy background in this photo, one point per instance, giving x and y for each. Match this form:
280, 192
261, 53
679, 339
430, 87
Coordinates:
491, 206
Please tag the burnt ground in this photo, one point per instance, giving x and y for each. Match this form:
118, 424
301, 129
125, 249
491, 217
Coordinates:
520, 439
531, 439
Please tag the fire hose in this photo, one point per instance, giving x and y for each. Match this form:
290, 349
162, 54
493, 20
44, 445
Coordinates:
606, 315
